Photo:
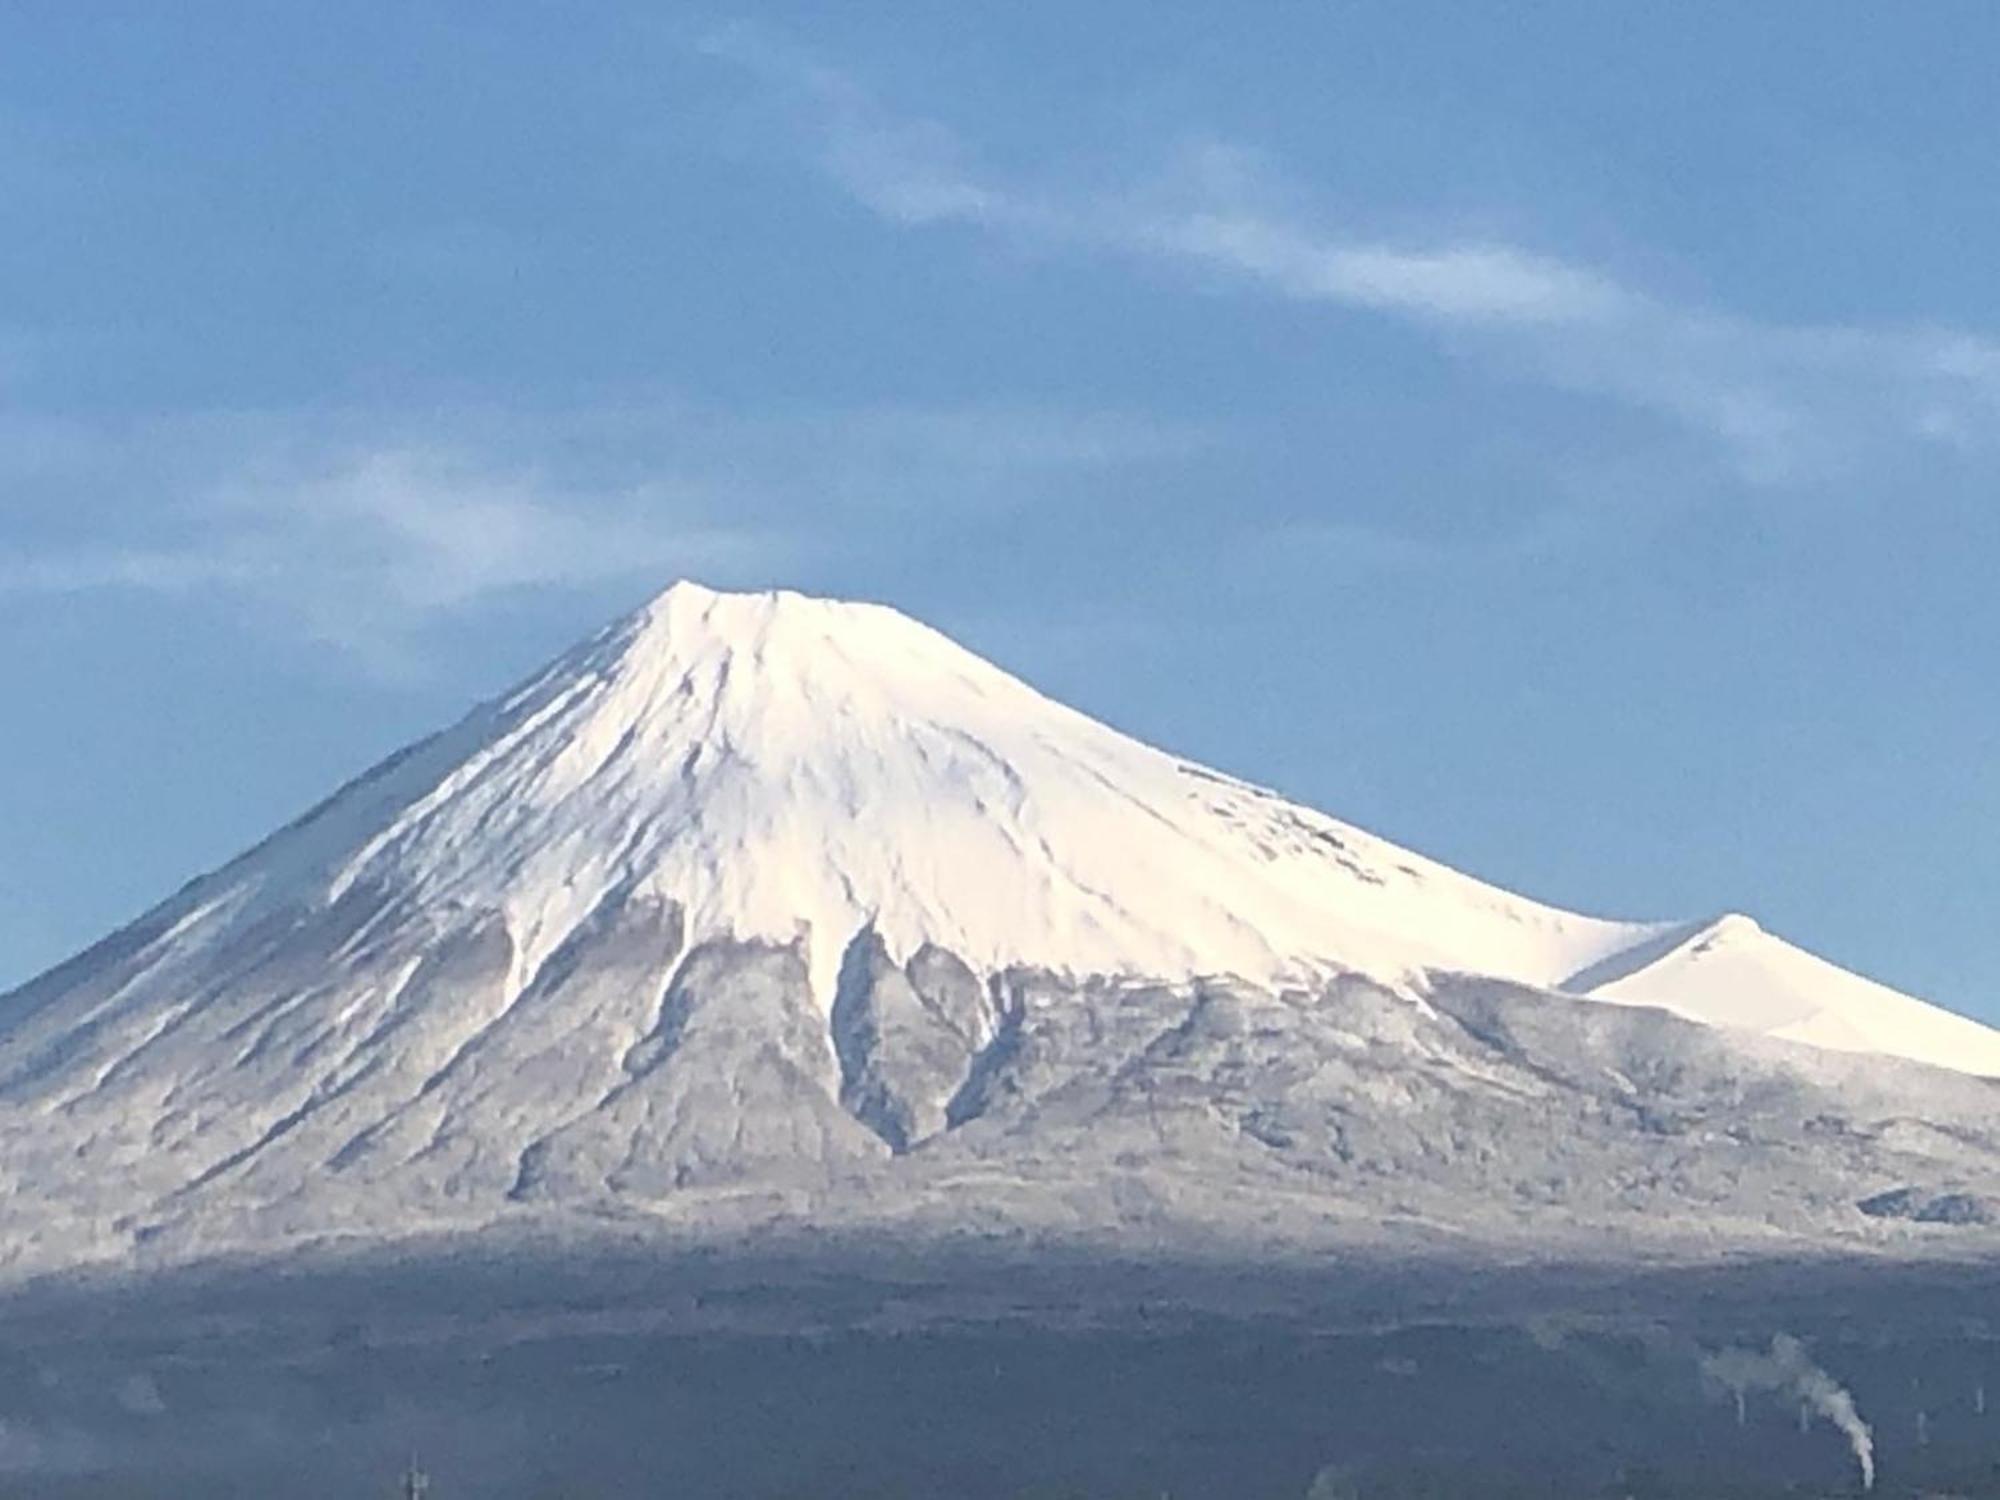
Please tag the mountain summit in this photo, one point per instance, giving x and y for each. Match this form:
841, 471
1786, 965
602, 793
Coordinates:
757, 894
796, 769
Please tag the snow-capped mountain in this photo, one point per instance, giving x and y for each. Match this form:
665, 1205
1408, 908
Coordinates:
762, 906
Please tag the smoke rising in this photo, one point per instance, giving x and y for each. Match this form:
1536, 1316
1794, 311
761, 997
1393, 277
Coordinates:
1786, 1369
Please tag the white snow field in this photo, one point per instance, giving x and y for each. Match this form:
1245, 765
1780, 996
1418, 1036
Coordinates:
768, 910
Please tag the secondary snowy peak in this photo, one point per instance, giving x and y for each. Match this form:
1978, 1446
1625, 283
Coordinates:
797, 769
1731, 973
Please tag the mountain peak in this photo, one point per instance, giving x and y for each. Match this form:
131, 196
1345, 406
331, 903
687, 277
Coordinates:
762, 888
803, 771
783, 655
791, 769
687, 606
693, 615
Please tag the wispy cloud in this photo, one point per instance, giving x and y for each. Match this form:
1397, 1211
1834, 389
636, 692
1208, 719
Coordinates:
362, 531
361, 549
1780, 403
1477, 283
909, 170
1202, 210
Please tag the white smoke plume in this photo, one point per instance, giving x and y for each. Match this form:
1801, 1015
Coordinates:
1788, 1370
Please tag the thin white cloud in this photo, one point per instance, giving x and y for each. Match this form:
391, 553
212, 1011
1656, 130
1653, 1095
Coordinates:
1781, 404
906, 170
915, 172
1476, 283
363, 532
360, 548
434, 531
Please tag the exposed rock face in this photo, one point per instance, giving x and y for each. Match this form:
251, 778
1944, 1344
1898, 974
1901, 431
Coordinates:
908, 1037
1921, 1207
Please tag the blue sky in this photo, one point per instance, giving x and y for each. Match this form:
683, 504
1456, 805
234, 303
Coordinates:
1561, 438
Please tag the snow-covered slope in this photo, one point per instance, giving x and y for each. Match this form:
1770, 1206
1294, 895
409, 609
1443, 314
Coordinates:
786, 766
1732, 973
767, 891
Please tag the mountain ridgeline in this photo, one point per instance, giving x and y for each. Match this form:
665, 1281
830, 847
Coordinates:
764, 913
